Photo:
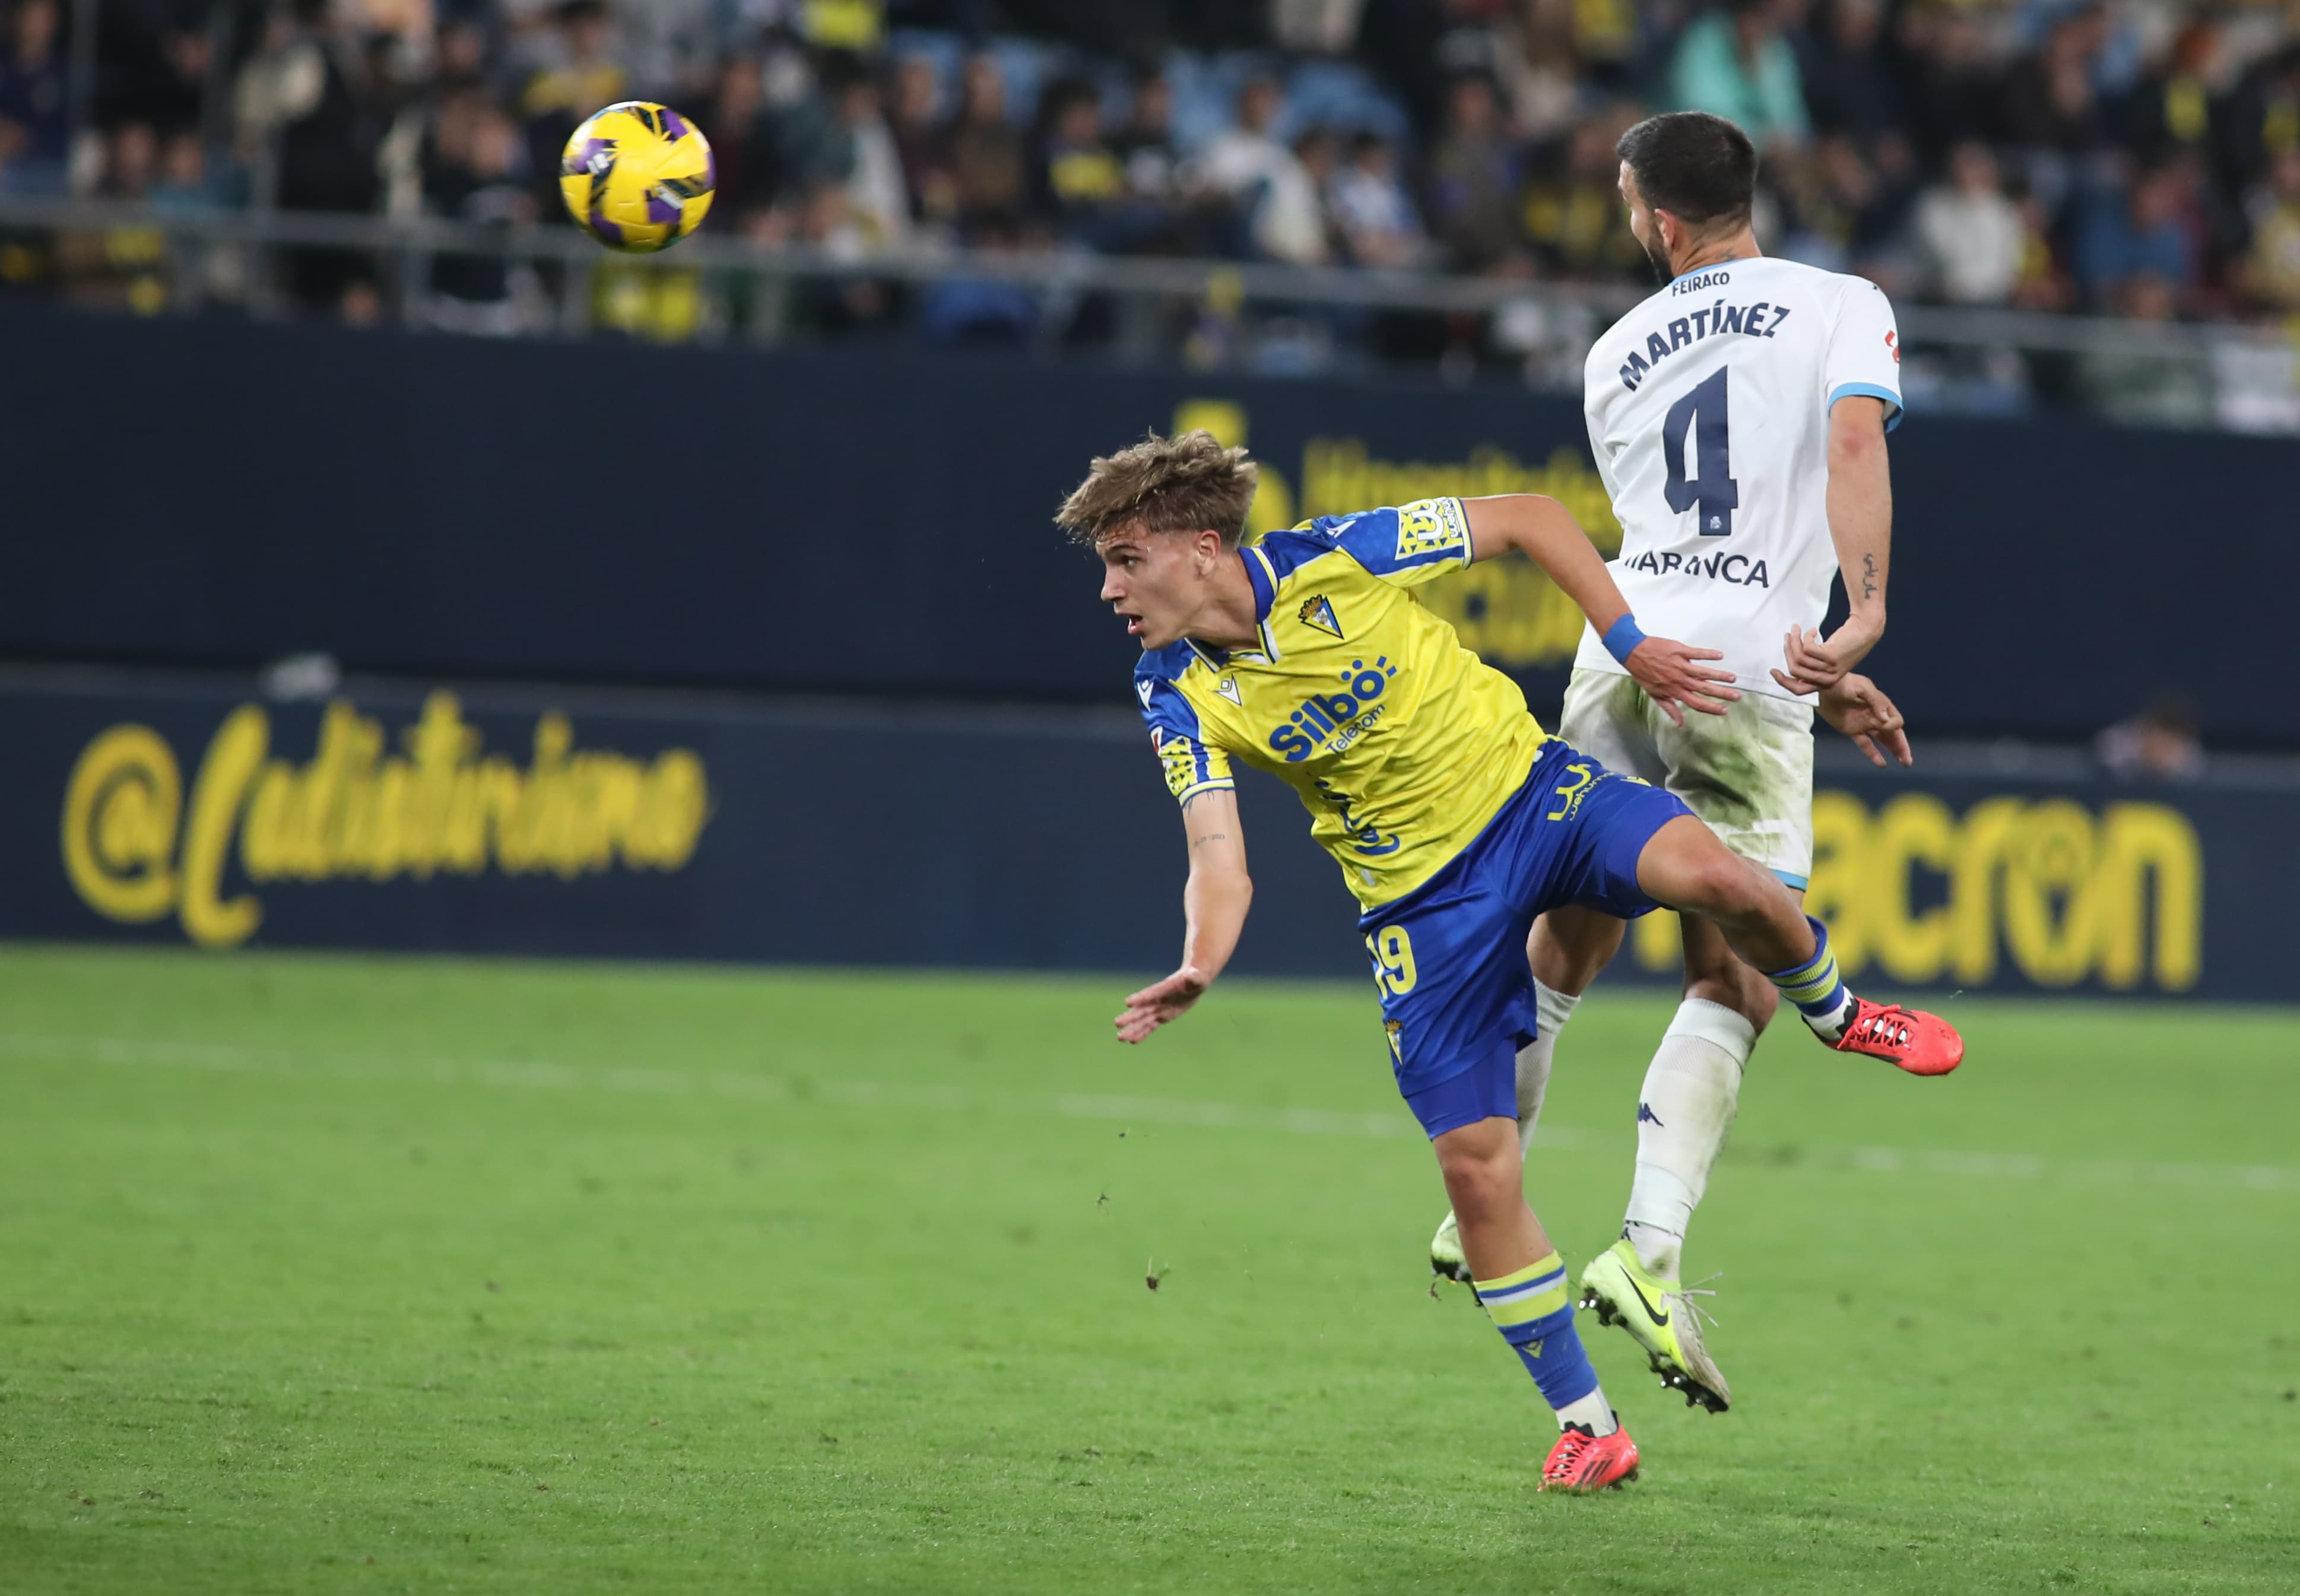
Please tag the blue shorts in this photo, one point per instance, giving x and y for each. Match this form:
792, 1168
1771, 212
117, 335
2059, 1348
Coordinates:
1449, 957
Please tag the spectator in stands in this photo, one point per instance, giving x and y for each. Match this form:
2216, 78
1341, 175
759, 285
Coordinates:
2044, 283
1473, 182
1319, 152
188, 187
1572, 211
742, 143
2271, 267
2131, 240
2048, 101
961, 309
1845, 211
131, 162
2259, 119
183, 189
1325, 26
844, 304
472, 177
35, 101
988, 166
580, 76
1947, 87
1734, 62
120, 267
2048, 110
1145, 144
669, 46
2159, 744
924, 141
459, 57
1538, 64
1269, 191
2169, 108
1502, 87
1079, 185
1848, 86
1369, 208
303, 98
1971, 239
864, 157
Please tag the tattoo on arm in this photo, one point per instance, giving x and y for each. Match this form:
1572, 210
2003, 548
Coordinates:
1867, 576
1211, 836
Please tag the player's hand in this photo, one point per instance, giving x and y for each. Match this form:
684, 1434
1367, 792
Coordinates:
1155, 1005
1671, 675
1858, 707
1815, 664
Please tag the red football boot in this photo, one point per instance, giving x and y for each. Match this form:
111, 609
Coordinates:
1908, 1039
1583, 1462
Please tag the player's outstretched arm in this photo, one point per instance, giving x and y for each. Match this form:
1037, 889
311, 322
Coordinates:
1214, 902
1545, 532
1858, 707
1861, 525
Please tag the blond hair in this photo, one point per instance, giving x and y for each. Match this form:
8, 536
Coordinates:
1186, 484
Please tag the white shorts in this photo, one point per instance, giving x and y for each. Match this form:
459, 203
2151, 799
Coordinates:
1748, 772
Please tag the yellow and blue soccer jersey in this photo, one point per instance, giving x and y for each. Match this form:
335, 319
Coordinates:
1401, 743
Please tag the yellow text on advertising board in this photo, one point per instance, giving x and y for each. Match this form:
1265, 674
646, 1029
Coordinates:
2060, 893
136, 850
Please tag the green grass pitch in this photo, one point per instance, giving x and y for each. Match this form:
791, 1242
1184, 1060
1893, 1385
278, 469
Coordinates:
329, 1275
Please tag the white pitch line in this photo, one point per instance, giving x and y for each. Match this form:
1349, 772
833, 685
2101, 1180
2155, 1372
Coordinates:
540, 1075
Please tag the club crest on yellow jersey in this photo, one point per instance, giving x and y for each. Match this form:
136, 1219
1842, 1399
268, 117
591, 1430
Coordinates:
1318, 610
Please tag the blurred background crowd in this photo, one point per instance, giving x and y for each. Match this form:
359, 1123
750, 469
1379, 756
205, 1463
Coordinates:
2140, 159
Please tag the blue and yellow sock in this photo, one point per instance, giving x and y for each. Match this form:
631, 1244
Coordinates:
1816, 987
1534, 1312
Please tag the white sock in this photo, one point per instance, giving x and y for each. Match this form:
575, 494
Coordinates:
1593, 1413
1551, 1009
1831, 1027
1691, 1089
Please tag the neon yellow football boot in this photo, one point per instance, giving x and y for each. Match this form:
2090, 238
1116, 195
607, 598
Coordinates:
1661, 1316
1447, 1258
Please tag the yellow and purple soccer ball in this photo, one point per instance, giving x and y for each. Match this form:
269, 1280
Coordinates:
638, 176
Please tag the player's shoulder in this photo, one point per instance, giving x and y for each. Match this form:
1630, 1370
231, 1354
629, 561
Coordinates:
1170, 663
1170, 701
1831, 292
1332, 542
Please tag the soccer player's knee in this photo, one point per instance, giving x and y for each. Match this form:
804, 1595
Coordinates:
1477, 1176
1720, 885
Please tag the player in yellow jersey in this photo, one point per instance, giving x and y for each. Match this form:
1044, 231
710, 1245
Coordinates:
1455, 816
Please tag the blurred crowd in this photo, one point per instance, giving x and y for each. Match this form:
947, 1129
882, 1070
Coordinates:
2141, 158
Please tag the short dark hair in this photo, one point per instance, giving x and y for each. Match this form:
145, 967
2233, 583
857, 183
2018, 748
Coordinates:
1701, 169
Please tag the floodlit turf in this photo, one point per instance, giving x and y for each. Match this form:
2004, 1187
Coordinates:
335, 1274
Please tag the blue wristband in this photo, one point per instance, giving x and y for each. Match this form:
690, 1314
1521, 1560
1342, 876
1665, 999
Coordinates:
1621, 638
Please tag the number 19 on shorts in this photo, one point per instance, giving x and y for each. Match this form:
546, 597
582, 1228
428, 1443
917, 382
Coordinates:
1393, 958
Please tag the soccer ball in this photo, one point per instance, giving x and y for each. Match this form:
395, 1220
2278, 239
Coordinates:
638, 176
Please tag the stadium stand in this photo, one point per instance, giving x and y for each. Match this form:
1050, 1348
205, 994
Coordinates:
2139, 161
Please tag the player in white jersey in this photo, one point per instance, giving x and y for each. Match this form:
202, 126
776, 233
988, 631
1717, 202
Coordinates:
1737, 418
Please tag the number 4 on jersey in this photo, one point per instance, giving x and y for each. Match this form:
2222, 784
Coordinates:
1712, 485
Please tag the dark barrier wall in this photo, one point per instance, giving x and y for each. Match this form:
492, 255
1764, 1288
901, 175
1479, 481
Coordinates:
853, 521
170, 810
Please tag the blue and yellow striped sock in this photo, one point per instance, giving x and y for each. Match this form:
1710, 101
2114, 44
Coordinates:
1532, 1310
1816, 988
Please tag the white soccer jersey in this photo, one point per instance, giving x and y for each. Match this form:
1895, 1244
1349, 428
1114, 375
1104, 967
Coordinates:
1708, 410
